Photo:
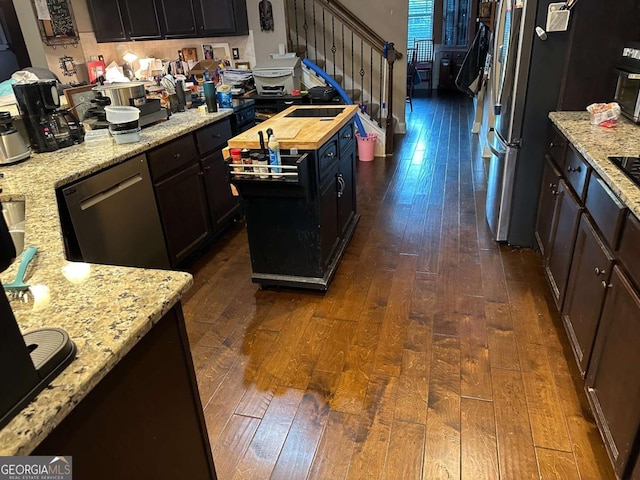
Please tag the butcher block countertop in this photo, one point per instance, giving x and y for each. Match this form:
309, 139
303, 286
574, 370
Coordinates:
303, 133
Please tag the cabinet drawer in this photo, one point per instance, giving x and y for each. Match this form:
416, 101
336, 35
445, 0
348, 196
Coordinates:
576, 170
605, 209
557, 147
327, 157
172, 156
629, 253
346, 135
213, 136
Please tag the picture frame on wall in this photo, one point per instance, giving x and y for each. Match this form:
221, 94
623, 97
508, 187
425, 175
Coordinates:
217, 51
207, 52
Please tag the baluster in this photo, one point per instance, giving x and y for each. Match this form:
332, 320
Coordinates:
344, 72
305, 26
353, 70
324, 41
295, 15
361, 72
381, 82
370, 75
315, 31
333, 43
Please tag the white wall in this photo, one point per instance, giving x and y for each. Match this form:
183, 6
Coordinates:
267, 42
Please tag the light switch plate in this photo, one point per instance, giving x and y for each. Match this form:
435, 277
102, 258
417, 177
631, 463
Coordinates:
557, 19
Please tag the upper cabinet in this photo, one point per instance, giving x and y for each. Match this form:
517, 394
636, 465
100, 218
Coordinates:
121, 20
107, 20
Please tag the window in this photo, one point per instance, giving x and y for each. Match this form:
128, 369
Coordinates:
420, 21
456, 22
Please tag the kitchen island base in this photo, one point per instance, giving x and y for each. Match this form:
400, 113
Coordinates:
144, 419
266, 280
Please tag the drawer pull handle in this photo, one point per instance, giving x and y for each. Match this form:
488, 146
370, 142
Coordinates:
552, 186
574, 169
600, 272
216, 135
341, 184
207, 169
605, 284
330, 154
348, 136
176, 155
555, 192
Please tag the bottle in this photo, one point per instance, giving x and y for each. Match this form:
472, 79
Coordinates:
274, 155
261, 159
246, 160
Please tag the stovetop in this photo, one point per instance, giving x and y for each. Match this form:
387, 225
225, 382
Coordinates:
630, 166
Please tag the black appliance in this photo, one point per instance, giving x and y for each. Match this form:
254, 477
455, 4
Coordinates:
49, 127
28, 363
628, 86
630, 166
244, 113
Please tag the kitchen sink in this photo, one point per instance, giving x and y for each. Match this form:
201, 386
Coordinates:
316, 112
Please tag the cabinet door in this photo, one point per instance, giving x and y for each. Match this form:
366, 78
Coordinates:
142, 18
329, 233
183, 210
222, 204
346, 190
590, 272
546, 204
216, 17
177, 18
107, 20
613, 383
561, 241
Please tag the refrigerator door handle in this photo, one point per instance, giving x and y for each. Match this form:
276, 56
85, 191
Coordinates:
490, 138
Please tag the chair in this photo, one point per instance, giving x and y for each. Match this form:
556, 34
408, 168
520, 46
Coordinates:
423, 53
411, 75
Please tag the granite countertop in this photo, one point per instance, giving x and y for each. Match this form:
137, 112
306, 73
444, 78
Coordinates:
597, 143
304, 133
104, 309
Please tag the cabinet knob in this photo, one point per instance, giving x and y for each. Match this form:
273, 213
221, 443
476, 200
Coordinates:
605, 284
176, 155
330, 154
216, 135
201, 173
348, 136
600, 272
574, 169
555, 192
207, 168
551, 145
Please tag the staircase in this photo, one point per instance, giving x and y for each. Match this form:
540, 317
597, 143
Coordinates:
335, 39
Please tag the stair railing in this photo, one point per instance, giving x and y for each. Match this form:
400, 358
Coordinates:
333, 37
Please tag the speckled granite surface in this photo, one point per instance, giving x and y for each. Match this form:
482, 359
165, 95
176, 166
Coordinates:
597, 143
105, 309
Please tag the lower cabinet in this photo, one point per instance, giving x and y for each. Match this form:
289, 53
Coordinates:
561, 241
546, 204
328, 206
182, 202
586, 288
346, 190
223, 205
613, 383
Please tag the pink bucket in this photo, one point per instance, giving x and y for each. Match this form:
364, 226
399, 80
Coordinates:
366, 146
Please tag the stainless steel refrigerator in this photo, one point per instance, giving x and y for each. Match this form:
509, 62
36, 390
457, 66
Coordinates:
528, 71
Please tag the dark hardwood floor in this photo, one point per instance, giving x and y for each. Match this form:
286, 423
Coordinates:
435, 354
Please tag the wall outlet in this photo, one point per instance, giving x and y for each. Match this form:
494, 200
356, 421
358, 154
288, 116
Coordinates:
557, 18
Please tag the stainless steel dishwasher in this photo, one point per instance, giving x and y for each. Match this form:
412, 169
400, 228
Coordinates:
115, 218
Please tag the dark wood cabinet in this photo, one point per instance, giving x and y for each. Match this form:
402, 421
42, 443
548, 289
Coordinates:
346, 190
141, 19
108, 20
122, 20
547, 204
561, 241
177, 18
613, 383
182, 202
223, 205
328, 203
221, 17
586, 287
450, 64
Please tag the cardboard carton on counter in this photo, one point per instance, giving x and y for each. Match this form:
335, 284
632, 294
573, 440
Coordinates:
199, 69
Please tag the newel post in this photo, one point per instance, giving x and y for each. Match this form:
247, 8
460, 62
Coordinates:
391, 58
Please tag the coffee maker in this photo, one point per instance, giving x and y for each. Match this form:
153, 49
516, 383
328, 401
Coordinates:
49, 126
13, 148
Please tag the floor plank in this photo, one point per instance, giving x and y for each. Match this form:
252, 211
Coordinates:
479, 451
406, 447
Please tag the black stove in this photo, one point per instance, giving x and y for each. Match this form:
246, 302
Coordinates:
630, 166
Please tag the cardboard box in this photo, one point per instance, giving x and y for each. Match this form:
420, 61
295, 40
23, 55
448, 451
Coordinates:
203, 66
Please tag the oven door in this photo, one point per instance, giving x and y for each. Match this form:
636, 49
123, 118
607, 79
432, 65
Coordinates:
628, 94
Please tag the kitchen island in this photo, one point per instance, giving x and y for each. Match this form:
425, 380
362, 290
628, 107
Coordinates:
588, 230
301, 217
119, 319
